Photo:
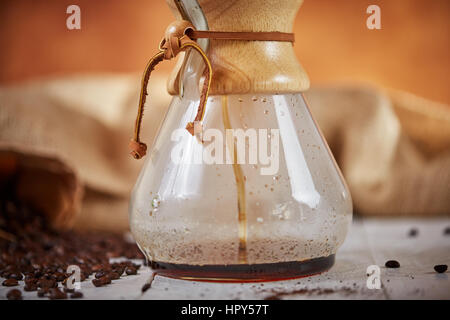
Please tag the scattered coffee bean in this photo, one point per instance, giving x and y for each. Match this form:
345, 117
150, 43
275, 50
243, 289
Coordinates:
447, 231
56, 294
119, 270
30, 287
392, 264
440, 268
100, 282
10, 283
15, 275
76, 295
43, 292
97, 282
14, 294
40, 255
131, 271
97, 267
31, 281
114, 275
47, 283
413, 233
100, 274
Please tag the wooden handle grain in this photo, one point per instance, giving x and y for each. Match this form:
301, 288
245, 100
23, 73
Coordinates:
249, 66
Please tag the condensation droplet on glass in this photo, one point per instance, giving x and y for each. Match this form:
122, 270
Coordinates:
156, 203
266, 111
260, 220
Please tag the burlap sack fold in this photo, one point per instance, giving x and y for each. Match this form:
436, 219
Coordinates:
68, 137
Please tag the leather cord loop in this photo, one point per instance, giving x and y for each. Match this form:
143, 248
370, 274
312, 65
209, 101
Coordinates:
180, 36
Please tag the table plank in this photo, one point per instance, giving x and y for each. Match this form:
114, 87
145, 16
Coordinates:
369, 242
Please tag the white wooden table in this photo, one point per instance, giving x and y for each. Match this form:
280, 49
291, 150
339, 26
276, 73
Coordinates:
370, 242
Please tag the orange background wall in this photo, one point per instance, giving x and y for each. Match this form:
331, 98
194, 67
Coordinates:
411, 52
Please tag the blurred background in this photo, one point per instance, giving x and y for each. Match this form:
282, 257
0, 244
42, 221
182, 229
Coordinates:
410, 52
68, 102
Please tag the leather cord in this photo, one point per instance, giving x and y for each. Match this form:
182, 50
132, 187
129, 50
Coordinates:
180, 36
244, 36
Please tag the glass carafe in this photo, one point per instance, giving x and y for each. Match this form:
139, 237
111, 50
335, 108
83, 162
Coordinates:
255, 194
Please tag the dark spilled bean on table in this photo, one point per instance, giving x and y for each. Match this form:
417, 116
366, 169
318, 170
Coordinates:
14, 294
413, 233
10, 283
39, 256
447, 231
57, 294
392, 264
131, 271
76, 295
440, 268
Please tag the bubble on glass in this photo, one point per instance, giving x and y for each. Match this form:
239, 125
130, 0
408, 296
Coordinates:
156, 202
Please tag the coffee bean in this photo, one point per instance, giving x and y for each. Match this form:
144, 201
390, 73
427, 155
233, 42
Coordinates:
106, 279
114, 275
413, 232
392, 264
47, 283
10, 283
98, 282
440, 268
76, 295
43, 292
56, 294
97, 267
31, 281
119, 270
14, 294
30, 287
15, 275
100, 274
130, 271
101, 281
447, 231
41, 255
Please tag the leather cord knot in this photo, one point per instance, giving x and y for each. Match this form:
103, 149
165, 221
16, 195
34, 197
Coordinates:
138, 149
174, 42
179, 37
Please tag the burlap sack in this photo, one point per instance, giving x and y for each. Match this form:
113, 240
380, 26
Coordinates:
64, 144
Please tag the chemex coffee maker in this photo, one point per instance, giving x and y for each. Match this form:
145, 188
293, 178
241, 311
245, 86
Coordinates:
239, 184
